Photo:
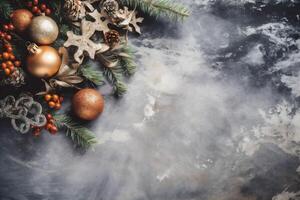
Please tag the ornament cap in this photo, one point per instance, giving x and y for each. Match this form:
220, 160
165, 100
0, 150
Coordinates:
32, 48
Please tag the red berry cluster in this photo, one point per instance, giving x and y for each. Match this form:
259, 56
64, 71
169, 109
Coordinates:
38, 8
50, 126
54, 101
8, 60
4, 33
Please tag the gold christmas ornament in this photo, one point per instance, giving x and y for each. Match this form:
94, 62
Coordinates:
88, 104
43, 61
21, 19
43, 30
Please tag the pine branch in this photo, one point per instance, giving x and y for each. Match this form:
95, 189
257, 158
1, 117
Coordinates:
114, 77
5, 9
159, 8
92, 75
82, 136
126, 61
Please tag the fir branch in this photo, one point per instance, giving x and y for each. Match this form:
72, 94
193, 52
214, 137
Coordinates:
114, 77
159, 8
92, 75
5, 9
82, 136
126, 61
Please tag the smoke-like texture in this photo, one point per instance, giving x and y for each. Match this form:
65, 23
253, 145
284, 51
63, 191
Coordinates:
212, 113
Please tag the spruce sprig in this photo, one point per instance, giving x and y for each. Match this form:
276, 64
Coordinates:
160, 8
92, 75
5, 9
126, 61
82, 136
114, 77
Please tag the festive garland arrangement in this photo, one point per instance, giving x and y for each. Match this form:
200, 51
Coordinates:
45, 50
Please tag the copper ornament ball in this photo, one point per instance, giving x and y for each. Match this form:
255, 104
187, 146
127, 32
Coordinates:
88, 104
21, 19
44, 62
43, 30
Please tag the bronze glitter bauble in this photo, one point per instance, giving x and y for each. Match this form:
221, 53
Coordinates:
43, 61
21, 19
88, 104
43, 30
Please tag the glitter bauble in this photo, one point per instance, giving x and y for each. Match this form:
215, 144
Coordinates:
21, 19
43, 30
88, 104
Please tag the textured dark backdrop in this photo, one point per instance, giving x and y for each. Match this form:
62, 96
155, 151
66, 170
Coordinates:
212, 113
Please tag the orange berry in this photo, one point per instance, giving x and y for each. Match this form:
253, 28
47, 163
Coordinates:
48, 97
5, 55
4, 65
9, 63
12, 57
12, 68
51, 104
48, 126
9, 49
17, 63
57, 106
55, 98
7, 71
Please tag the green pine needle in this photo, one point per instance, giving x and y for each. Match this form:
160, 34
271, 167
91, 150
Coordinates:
115, 78
160, 8
80, 135
92, 75
127, 62
5, 9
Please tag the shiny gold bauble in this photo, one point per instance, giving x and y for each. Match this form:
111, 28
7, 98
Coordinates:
43, 30
88, 104
21, 19
43, 61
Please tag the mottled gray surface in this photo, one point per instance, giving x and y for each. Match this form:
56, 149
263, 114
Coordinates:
211, 114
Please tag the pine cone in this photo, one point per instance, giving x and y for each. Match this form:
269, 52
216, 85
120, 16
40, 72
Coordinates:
112, 38
74, 9
16, 79
110, 7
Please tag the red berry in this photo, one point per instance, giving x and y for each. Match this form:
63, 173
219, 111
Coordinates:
11, 27
53, 130
43, 7
49, 116
35, 9
5, 27
29, 4
35, 2
8, 37
48, 11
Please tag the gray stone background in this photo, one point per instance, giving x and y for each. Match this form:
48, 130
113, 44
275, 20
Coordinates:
211, 114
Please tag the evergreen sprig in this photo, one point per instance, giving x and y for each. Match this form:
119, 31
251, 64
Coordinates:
82, 136
114, 77
92, 75
5, 9
126, 61
159, 8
